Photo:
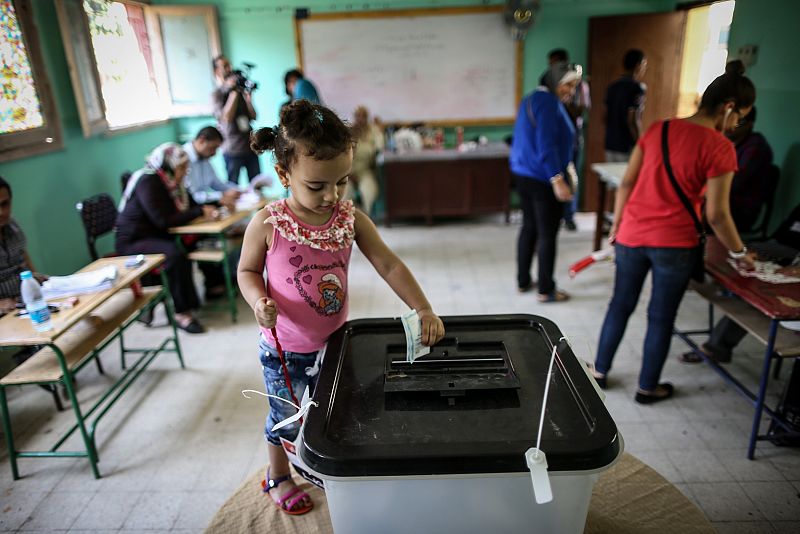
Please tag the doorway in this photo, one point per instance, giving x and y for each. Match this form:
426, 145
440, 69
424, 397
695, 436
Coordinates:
685, 51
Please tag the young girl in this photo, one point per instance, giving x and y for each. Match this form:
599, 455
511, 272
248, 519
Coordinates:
305, 243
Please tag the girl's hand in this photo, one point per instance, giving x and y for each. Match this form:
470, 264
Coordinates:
432, 327
266, 312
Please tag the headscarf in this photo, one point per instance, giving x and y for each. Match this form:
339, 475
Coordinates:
162, 161
560, 73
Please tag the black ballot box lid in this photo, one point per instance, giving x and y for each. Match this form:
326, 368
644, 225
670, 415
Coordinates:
471, 406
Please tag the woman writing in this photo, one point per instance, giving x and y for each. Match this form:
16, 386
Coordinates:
653, 230
155, 200
540, 155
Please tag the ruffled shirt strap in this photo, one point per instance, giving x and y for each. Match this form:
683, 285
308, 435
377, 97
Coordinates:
337, 234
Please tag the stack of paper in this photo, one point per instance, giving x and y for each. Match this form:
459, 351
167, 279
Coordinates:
76, 284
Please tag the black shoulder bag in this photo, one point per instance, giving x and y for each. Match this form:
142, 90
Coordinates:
698, 270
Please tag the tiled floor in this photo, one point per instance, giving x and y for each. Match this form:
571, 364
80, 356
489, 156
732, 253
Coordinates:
180, 442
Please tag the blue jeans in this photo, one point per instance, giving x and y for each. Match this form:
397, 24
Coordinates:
234, 164
672, 269
275, 381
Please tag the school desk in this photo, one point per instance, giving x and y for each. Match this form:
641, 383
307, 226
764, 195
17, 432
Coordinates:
446, 183
78, 336
610, 176
758, 307
218, 230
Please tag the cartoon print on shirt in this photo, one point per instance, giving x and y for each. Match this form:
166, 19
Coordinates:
332, 294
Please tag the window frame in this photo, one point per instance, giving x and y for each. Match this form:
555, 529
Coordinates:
45, 138
87, 86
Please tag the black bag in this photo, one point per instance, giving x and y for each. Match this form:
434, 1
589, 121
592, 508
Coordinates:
699, 268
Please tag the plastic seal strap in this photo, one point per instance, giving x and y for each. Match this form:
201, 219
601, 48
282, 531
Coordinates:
301, 410
535, 457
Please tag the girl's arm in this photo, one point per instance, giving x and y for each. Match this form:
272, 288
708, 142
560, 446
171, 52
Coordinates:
624, 190
718, 214
398, 276
250, 273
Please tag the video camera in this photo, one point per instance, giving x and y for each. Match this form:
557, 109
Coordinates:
243, 80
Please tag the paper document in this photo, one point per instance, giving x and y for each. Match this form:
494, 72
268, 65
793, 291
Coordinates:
413, 327
76, 284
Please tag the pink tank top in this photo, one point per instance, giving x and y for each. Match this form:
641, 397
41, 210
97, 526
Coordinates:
307, 275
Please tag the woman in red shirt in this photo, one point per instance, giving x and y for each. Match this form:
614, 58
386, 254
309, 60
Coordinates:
653, 231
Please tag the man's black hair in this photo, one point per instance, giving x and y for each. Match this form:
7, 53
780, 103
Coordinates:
5, 185
633, 57
209, 133
294, 73
558, 54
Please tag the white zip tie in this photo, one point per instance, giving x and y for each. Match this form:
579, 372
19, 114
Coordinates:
301, 410
546, 391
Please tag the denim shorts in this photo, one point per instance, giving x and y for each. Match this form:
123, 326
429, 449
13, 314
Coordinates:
275, 382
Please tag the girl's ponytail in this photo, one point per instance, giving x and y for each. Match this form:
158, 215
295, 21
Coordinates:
263, 139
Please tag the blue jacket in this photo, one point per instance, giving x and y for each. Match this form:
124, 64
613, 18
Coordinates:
543, 137
304, 89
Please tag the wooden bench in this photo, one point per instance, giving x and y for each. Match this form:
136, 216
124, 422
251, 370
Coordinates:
79, 343
787, 342
78, 336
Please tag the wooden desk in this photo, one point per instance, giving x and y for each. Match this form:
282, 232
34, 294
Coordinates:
758, 307
218, 229
78, 335
442, 183
610, 176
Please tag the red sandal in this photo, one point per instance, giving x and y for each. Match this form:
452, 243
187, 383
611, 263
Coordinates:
288, 500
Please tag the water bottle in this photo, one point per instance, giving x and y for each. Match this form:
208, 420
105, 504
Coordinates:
34, 302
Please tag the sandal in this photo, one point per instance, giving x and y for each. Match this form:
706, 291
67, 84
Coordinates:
555, 296
286, 502
660, 393
602, 381
692, 357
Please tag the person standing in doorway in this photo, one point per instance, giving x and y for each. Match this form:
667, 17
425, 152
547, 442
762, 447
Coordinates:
624, 107
234, 111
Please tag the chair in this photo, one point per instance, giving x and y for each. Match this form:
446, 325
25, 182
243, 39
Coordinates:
760, 231
99, 214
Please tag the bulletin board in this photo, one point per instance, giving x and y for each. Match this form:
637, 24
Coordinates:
457, 66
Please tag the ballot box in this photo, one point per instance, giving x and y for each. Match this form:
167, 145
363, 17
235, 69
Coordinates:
439, 445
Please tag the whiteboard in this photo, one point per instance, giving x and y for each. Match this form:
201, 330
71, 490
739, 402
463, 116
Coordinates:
432, 66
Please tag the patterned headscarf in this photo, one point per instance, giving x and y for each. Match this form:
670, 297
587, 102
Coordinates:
162, 161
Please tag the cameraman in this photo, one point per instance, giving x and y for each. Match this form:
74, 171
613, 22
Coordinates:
233, 108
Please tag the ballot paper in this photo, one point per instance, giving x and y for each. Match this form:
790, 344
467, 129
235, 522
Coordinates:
765, 271
76, 284
413, 327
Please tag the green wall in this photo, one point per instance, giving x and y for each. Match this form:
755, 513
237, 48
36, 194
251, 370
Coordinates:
47, 187
773, 26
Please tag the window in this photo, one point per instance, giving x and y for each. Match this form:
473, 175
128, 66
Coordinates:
131, 63
28, 121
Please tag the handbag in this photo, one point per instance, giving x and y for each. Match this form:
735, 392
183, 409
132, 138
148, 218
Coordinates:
698, 269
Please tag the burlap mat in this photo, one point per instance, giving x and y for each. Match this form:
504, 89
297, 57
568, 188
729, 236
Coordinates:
629, 498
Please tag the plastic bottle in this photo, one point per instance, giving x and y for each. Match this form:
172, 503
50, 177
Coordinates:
34, 302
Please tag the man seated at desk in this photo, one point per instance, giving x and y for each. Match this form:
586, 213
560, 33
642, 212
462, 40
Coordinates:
783, 248
14, 254
202, 181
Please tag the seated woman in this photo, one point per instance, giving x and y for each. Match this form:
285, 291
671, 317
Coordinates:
369, 141
155, 200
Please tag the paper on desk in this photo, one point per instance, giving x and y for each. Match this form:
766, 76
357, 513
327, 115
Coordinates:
412, 324
248, 200
765, 271
76, 284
